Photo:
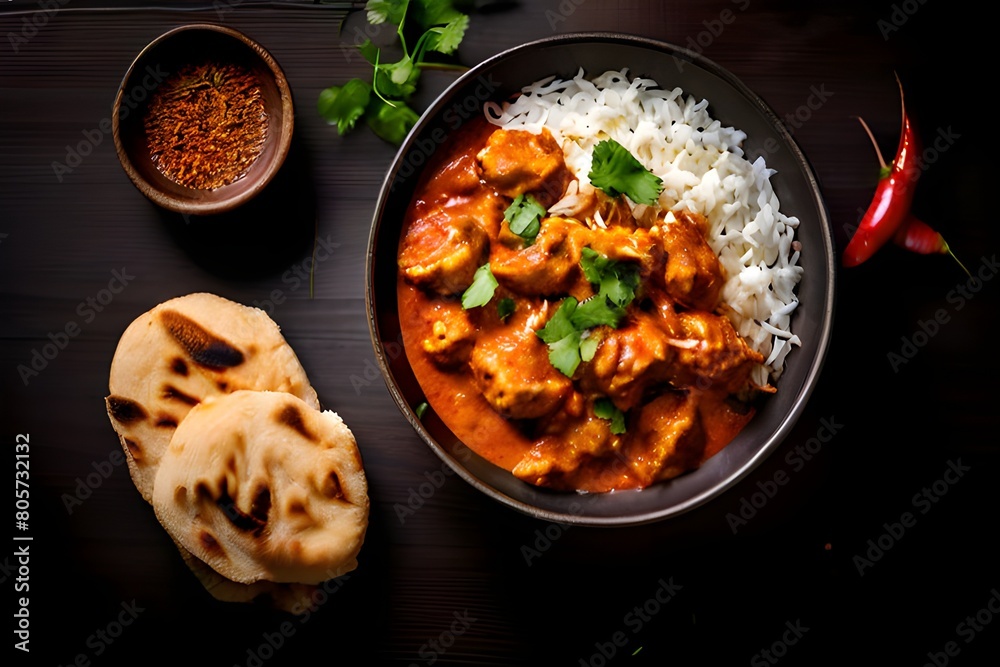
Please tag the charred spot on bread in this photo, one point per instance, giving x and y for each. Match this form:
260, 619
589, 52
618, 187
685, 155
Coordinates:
240, 519
204, 348
179, 367
332, 488
124, 410
133, 448
290, 416
172, 393
261, 504
208, 541
166, 421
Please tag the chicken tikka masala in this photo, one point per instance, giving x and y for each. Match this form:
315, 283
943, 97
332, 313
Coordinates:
651, 391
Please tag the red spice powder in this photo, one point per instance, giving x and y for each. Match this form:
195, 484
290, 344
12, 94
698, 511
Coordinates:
206, 125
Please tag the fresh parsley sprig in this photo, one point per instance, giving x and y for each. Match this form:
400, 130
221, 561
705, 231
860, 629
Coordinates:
384, 101
617, 172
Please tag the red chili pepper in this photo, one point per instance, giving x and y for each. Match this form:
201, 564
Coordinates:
893, 194
917, 236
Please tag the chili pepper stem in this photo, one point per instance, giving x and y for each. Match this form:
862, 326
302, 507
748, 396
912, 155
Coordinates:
947, 249
883, 166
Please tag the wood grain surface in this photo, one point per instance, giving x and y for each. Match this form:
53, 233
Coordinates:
873, 550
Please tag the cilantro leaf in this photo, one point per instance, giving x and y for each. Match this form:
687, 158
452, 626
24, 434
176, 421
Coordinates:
569, 330
563, 338
505, 308
396, 80
564, 354
441, 28
524, 217
597, 311
616, 171
445, 39
343, 105
481, 290
615, 281
383, 11
430, 13
391, 123
605, 409
588, 346
560, 324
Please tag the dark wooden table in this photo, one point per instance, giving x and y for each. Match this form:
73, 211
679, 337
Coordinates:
868, 538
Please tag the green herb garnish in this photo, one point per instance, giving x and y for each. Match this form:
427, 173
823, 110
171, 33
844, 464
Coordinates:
481, 290
384, 101
563, 338
567, 332
524, 217
505, 308
606, 409
616, 171
421, 409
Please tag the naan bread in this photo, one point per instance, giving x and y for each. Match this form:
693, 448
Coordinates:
182, 352
261, 486
295, 599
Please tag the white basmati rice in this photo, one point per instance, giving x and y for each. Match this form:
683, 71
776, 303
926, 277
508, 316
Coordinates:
703, 169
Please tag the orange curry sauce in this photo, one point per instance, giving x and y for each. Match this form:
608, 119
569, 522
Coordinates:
674, 366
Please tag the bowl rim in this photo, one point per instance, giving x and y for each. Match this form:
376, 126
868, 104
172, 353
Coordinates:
773, 439
284, 140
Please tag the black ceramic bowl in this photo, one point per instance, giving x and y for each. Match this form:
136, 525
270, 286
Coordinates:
731, 102
153, 67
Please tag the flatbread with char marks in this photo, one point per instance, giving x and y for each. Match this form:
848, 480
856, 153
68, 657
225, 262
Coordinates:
182, 352
262, 487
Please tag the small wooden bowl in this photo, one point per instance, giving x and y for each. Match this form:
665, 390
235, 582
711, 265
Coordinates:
186, 46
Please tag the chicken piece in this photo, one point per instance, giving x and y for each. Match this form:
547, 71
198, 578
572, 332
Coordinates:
515, 162
624, 244
667, 439
577, 452
510, 365
715, 357
453, 335
549, 266
694, 276
442, 250
459, 178
629, 360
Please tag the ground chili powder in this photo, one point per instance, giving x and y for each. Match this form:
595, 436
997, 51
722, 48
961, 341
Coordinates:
206, 125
